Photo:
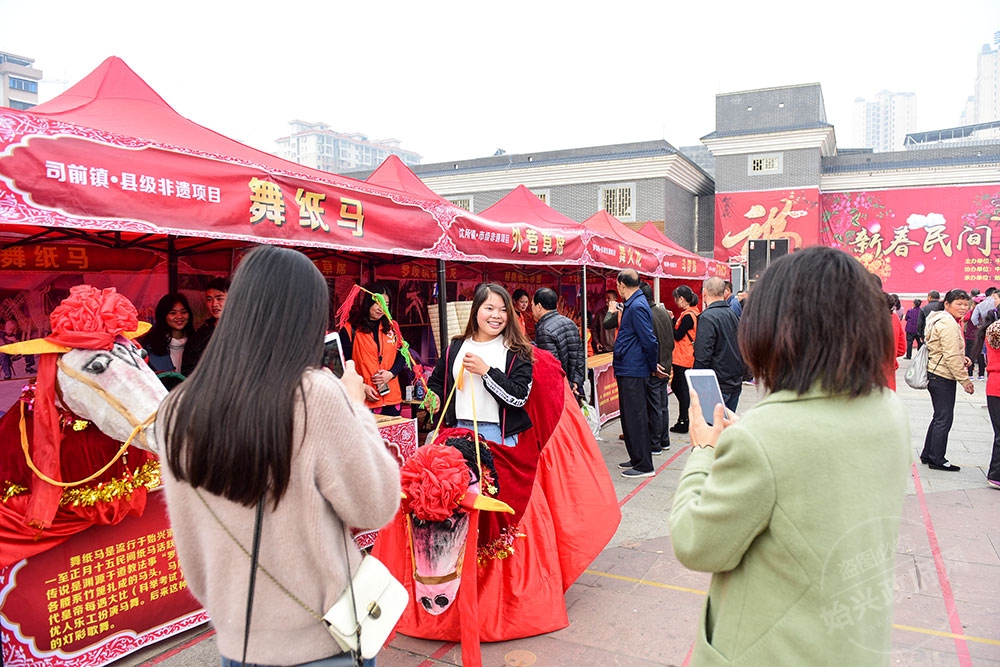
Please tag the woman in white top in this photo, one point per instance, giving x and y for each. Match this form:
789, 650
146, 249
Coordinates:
494, 359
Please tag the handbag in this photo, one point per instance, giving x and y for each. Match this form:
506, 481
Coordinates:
366, 613
383, 601
916, 374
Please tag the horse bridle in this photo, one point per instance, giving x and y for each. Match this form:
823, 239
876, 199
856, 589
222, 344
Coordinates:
138, 428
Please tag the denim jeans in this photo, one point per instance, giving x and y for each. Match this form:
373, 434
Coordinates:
324, 662
490, 431
942, 391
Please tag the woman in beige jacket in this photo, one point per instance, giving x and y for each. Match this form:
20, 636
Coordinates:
946, 366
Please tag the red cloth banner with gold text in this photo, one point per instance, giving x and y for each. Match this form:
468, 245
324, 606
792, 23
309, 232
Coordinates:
741, 217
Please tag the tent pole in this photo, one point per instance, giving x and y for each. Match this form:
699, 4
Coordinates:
172, 277
442, 308
583, 321
656, 290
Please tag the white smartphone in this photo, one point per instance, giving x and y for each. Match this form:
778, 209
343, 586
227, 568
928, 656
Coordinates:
706, 384
333, 354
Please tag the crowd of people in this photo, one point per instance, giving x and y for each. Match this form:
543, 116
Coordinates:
288, 444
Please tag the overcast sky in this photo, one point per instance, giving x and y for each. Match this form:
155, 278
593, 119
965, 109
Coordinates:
455, 80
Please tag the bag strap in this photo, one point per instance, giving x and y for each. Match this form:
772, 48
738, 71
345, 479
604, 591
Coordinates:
354, 601
258, 566
253, 574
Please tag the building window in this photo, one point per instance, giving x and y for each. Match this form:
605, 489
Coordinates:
23, 84
544, 196
618, 202
462, 202
20, 106
764, 163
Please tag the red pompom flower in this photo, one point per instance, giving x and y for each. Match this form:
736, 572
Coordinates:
91, 310
434, 481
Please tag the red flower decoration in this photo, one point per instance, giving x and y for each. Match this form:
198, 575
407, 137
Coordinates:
91, 310
434, 480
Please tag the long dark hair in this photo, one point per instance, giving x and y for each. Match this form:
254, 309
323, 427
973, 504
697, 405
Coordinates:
513, 337
362, 305
229, 426
157, 340
816, 316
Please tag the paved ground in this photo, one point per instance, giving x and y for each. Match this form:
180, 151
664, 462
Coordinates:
637, 605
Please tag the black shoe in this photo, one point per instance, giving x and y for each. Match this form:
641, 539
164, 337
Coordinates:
924, 460
657, 452
637, 473
943, 466
679, 428
627, 465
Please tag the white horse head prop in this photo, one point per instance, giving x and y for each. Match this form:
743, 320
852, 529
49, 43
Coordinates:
89, 365
115, 389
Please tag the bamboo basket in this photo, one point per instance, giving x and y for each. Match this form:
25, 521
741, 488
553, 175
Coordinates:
458, 318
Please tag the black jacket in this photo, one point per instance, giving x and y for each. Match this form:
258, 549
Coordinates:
928, 308
558, 334
716, 346
510, 389
195, 347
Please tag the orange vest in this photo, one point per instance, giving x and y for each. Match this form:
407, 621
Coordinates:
684, 348
366, 361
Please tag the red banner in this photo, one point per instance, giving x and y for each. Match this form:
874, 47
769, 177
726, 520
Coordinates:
919, 239
606, 392
76, 258
741, 217
486, 240
622, 255
102, 594
425, 272
96, 183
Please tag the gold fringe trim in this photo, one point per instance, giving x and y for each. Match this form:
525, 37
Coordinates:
147, 476
10, 489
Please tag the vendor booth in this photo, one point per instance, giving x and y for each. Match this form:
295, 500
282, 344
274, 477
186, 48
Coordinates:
109, 183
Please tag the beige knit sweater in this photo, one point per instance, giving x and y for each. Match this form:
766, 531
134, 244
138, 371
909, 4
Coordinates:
341, 473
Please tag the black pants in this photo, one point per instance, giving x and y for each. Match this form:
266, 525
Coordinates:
658, 411
632, 394
732, 399
910, 337
680, 387
993, 403
942, 393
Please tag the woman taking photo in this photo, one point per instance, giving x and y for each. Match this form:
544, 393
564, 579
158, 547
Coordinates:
372, 342
495, 358
267, 422
685, 329
778, 505
172, 328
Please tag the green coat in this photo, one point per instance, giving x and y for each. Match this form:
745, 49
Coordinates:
796, 513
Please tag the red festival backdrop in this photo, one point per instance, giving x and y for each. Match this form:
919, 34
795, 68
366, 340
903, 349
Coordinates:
741, 217
919, 239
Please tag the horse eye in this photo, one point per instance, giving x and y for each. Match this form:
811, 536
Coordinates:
142, 353
98, 364
426, 602
441, 601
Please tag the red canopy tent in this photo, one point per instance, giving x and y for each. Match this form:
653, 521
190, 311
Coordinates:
705, 267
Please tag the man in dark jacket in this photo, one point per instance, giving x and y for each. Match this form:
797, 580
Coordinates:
215, 301
558, 334
715, 344
933, 303
657, 399
634, 362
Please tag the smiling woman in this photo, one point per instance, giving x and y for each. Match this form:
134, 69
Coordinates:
490, 367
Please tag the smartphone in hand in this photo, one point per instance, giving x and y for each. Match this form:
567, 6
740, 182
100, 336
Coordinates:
333, 354
704, 382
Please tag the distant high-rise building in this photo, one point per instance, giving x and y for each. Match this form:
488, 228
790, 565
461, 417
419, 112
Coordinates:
984, 106
883, 123
316, 145
20, 81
